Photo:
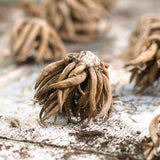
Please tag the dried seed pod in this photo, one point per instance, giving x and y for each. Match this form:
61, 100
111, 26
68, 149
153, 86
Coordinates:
145, 67
152, 149
76, 20
78, 89
34, 39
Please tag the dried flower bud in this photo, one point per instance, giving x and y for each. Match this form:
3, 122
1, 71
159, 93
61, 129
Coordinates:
76, 20
78, 84
34, 39
145, 67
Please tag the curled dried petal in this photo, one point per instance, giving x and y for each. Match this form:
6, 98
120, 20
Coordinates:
60, 102
145, 56
47, 70
79, 68
21, 38
66, 71
99, 86
70, 81
108, 105
93, 89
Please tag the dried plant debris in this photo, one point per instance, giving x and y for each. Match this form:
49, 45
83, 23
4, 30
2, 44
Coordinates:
32, 9
78, 84
34, 39
145, 67
77, 20
15, 123
153, 148
147, 25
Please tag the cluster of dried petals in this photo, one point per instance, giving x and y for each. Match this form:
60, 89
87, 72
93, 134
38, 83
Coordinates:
153, 148
35, 40
145, 27
146, 66
32, 8
76, 20
78, 84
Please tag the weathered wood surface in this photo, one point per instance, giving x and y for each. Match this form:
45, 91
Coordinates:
122, 135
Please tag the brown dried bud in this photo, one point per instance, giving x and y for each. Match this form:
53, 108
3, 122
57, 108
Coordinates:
34, 39
76, 20
145, 67
78, 84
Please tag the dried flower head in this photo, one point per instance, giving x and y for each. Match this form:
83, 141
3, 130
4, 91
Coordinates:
78, 84
145, 67
32, 8
76, 20
34, 39
153, 148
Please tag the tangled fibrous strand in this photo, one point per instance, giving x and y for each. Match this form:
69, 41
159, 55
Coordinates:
76, 20
78, 84
153, 148
146, 26
35, 40
146, 66
32, 8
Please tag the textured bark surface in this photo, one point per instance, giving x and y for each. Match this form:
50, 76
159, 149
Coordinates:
119, 137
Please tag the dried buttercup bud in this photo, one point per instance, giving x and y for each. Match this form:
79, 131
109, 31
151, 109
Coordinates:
34, 39
76, 20
152, 149
145, 67
78, 84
